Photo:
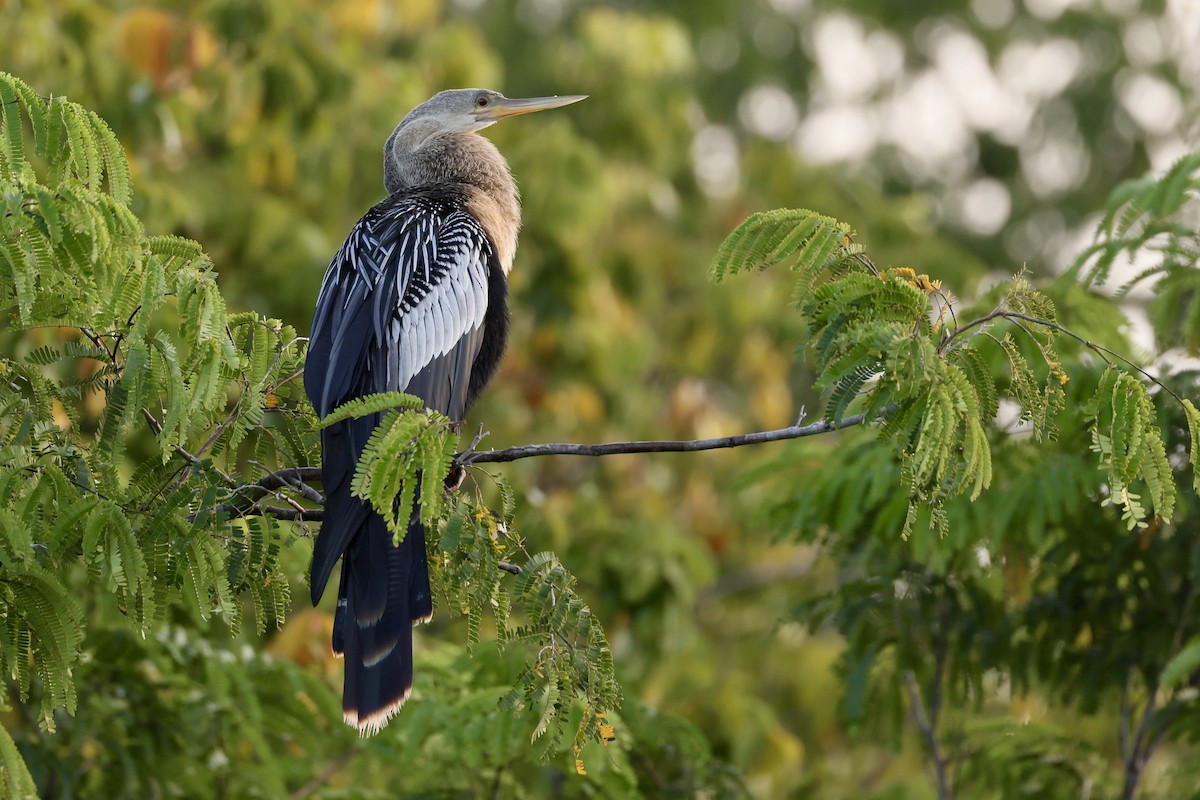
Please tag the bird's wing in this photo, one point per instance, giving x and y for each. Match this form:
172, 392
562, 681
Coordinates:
402, 307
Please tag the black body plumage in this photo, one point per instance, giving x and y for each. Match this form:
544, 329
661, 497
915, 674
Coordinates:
414, 301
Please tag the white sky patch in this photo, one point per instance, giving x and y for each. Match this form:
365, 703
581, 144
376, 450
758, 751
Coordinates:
1183, 33
769, 111
1030, 238
665, 199
963, 64
1144, 41
1057, 163
715, 160
1164, 153
983, 207
923, 120
1153, 103
1073, 241
1040, 70
838, 133
1008, 416
847, 65
888, 51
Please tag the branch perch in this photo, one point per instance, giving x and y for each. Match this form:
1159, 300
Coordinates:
300, 477
469, 457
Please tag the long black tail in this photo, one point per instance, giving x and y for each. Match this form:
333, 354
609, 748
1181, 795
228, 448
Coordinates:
384, 589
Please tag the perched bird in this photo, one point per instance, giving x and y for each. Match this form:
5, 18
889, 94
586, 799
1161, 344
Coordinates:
414, 301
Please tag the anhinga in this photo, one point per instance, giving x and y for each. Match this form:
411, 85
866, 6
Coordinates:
414, 301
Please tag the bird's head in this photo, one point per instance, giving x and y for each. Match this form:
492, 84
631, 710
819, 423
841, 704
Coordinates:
466, 110
433, 143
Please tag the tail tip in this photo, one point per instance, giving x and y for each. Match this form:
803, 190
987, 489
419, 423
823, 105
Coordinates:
372, 723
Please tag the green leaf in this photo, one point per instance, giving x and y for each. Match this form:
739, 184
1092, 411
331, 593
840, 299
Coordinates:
1193, 422
371, 404
771, 237
14, 775
1182, 664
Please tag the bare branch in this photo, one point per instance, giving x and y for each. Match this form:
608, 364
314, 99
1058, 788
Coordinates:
296, 478
235, 511
289, 479
299, 478
469, 457
927, 725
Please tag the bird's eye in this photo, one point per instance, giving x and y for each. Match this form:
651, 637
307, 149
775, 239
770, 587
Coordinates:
482, 102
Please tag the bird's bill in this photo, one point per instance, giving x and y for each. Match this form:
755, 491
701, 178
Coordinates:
512, 106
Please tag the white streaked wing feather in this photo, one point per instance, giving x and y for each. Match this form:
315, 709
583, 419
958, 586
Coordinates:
421, 267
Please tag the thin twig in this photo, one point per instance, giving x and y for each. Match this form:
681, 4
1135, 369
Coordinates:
1045, 323
296, 478
275, 388
95, 340
235, 511
192, 459
480, 435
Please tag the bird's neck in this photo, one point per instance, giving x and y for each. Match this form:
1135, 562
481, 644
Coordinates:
416, 159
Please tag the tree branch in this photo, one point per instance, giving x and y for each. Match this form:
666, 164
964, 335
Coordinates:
298, 478
927, 725
468, 457
1140, 748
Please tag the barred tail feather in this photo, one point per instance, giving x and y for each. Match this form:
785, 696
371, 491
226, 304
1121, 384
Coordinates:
376, 639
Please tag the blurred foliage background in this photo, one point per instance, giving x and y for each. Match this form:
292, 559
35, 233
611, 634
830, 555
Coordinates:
964, 139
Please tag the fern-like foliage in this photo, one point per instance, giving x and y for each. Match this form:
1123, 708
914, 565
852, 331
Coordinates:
573, 661
371, 404
1126, 435
571, 664
403, 446
144, 431
773, 237
889, 343
130, 396
1147, 225
14, 775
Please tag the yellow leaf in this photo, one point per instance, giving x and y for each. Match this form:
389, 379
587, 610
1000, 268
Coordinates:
579, 770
